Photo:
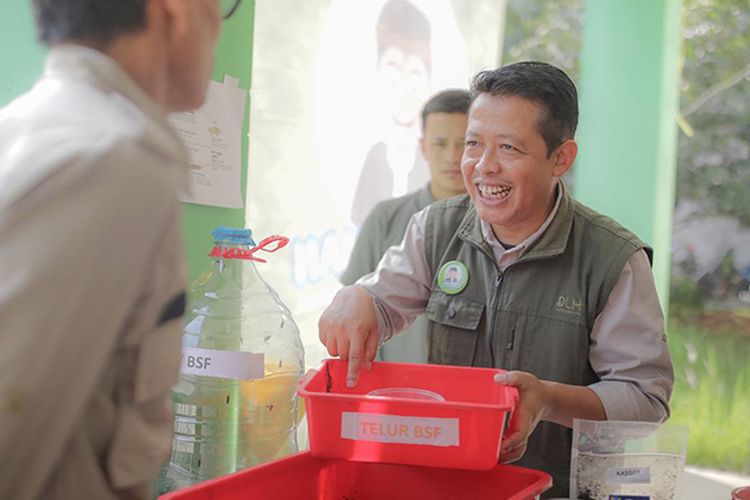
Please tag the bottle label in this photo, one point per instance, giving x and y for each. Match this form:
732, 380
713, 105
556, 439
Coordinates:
398, 429
222, 364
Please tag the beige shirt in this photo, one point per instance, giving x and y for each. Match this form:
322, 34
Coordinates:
628, 348
92, 281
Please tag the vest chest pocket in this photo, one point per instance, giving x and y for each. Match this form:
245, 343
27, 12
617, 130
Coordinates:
549, 348
453, 329
454, 312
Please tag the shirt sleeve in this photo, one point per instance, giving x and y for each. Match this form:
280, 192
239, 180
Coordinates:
629, 350
366, 252
400, 285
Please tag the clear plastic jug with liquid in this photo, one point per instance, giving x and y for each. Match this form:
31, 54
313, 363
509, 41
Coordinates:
235, 404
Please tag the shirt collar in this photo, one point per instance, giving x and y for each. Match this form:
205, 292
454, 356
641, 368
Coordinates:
70, 61
521, 248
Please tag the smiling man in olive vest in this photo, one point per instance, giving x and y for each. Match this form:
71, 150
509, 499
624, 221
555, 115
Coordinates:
557, 294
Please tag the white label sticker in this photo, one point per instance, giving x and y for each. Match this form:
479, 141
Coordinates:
224, 364
398, 429
183, 446
628, 475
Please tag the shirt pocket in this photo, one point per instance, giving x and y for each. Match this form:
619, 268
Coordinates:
142, 436
455, 323
159, 360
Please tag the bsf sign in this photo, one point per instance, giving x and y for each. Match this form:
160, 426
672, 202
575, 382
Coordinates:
399, 429
222, 364
198, 362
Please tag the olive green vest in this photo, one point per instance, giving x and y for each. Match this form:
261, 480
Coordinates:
537, 315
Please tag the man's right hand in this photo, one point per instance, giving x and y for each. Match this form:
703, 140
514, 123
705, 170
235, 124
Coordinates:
349, 329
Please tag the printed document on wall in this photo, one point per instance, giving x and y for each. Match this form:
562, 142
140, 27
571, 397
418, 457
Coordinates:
213, 136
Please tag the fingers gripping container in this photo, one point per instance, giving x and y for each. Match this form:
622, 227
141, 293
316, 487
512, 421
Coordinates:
305, 477
400, 413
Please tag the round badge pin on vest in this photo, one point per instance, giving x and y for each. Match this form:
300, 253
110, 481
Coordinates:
453, 277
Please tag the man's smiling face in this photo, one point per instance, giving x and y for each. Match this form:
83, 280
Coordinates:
506, 166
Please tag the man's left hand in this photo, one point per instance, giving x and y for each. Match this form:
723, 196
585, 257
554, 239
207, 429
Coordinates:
532, 407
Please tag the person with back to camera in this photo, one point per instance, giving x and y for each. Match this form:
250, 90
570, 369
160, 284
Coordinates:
443, 121
92, 286
558, 294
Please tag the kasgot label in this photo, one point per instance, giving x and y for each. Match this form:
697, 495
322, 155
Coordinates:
628, 475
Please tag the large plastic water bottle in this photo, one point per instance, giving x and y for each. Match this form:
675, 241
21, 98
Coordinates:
235, 404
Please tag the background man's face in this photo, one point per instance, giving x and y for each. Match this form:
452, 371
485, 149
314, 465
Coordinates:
442, 147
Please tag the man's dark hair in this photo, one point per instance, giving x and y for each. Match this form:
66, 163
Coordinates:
543, 84
94, 22
447, 101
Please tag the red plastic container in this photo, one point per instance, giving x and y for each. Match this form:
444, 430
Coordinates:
462, 431
304, 477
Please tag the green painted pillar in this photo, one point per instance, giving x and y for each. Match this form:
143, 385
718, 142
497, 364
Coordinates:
233, 57
629, 86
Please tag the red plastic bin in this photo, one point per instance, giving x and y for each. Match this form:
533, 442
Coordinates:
304, 477
463, 431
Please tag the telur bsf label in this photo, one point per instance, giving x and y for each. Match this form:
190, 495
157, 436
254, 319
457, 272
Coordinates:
400, 429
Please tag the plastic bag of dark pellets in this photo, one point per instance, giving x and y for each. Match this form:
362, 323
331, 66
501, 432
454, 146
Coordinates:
614, 460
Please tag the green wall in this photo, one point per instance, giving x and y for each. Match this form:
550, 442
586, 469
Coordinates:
629, 97
233, 57
21, 60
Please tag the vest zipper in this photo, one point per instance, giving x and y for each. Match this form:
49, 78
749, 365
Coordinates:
493, 314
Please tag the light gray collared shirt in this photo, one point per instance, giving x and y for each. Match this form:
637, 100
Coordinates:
91, 283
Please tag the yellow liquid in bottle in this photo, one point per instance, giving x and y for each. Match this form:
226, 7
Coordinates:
268, 417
